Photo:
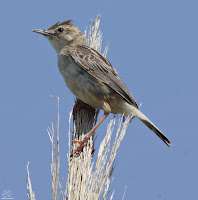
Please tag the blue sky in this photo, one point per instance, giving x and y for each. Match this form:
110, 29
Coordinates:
152, 44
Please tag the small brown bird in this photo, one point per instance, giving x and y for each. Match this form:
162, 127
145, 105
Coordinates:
91, 77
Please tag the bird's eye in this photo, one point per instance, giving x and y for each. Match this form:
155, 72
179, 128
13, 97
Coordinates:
60, 29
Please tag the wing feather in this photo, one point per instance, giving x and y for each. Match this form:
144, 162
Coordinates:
99, 67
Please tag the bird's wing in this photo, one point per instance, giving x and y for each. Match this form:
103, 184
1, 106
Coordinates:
100, 68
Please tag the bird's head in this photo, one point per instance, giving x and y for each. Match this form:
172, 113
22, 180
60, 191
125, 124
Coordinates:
63, 34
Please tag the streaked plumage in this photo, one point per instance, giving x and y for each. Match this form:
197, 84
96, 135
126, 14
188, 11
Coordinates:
91, 77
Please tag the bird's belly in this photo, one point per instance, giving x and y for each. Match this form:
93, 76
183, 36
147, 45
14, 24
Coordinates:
84, 86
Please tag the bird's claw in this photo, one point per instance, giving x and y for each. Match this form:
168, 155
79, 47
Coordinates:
79, 149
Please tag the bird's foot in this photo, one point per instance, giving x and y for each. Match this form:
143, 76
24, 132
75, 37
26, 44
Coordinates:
79, 149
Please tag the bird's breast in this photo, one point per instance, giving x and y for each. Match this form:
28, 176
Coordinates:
84, 86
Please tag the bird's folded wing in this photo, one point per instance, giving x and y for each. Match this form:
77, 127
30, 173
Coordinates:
100, 68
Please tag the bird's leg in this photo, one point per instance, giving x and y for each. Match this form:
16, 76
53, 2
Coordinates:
88, 136
78, 105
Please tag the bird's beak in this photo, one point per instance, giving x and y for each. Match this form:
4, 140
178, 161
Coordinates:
42, 32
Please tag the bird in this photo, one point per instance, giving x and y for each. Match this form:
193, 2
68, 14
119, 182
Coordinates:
91, 77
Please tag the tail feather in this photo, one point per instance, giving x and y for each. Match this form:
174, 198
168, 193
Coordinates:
150, 125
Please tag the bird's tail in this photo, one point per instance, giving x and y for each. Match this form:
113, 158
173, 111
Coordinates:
134, 111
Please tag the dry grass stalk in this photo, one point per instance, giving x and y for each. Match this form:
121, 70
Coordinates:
55, 164
30, 193
86, 181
